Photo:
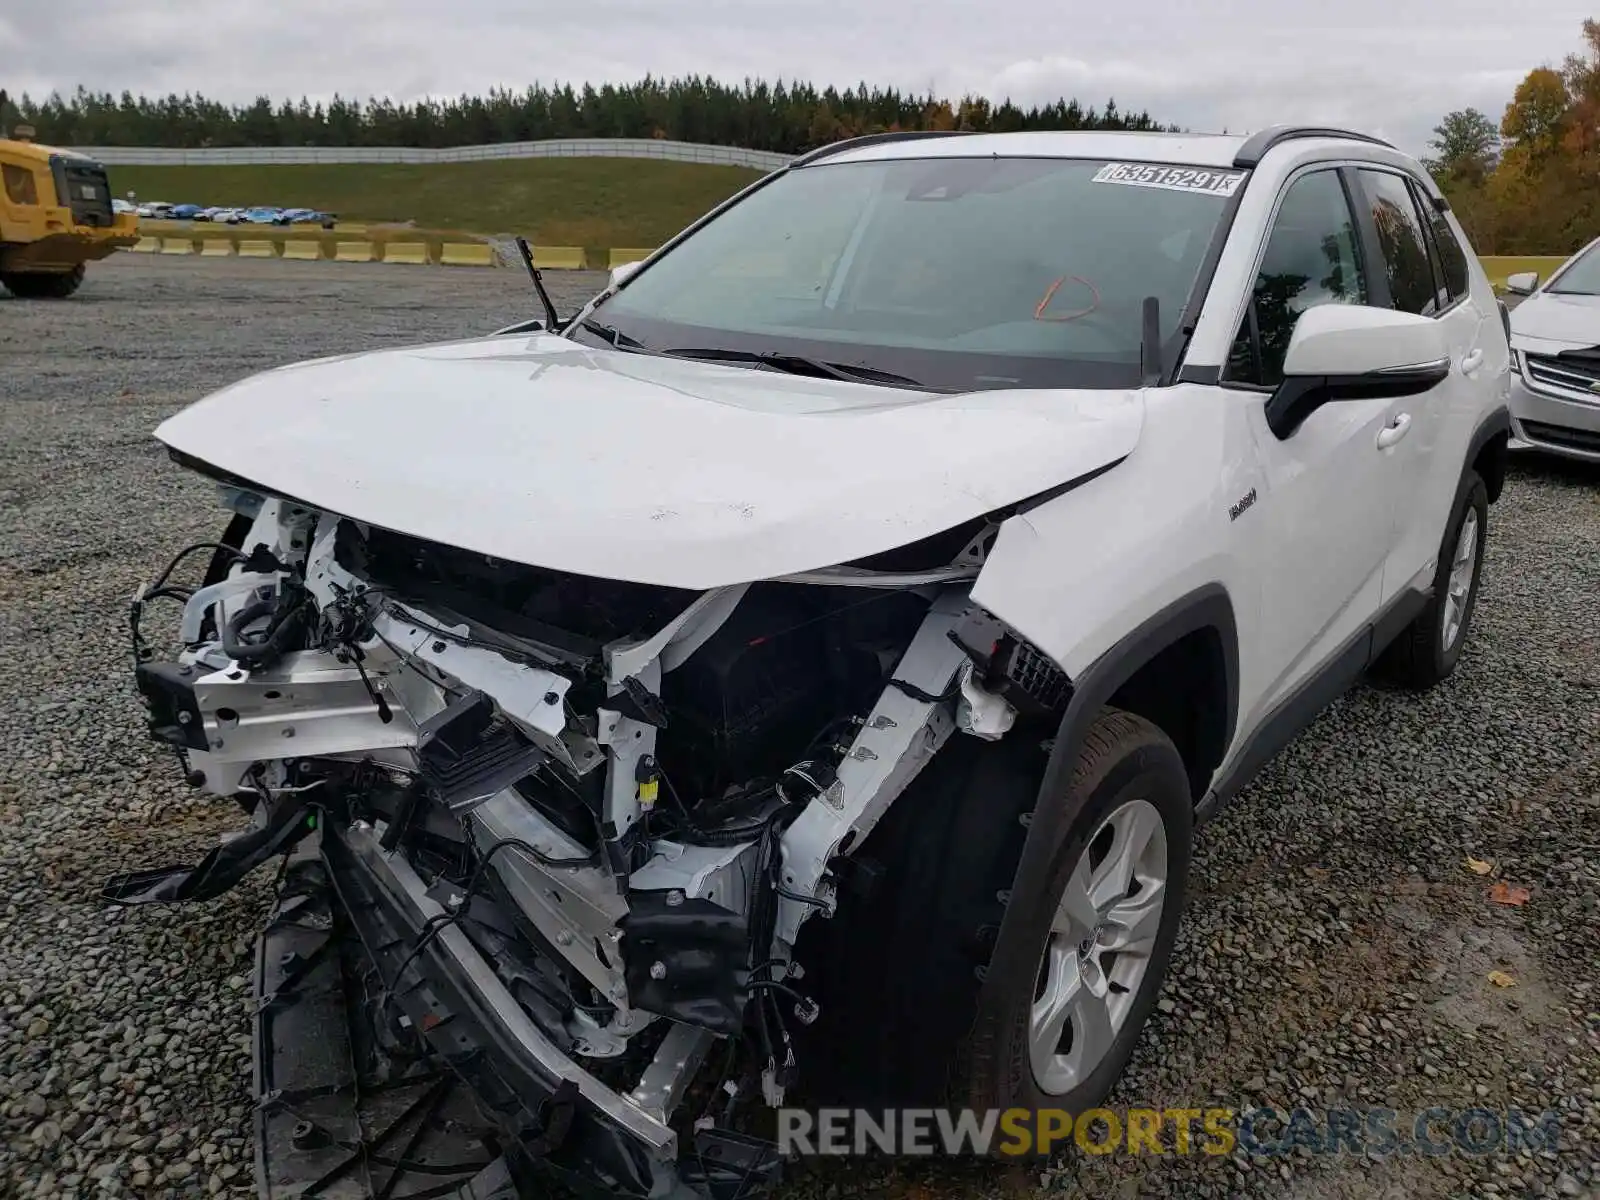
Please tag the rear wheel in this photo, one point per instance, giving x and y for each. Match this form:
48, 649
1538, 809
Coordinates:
1427, 650
42, 285
907, 1016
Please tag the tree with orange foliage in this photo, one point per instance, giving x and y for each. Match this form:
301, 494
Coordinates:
1537, 115
1543, 195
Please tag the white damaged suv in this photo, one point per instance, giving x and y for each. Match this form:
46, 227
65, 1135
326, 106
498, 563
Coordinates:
798, 675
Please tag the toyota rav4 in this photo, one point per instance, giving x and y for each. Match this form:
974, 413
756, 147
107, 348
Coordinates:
797, 675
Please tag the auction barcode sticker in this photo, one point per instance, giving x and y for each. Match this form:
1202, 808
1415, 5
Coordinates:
1175, 179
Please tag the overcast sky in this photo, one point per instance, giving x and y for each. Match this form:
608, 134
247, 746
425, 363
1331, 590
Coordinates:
1391, 67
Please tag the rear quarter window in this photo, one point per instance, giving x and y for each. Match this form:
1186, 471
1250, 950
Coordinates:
1404, 244
1452, 258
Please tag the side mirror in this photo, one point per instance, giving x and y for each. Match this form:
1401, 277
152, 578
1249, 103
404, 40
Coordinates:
621, 274
1523, 283
1353, 352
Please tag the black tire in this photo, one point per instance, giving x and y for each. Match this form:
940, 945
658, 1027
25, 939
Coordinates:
901, 975
43, 285
1418, 658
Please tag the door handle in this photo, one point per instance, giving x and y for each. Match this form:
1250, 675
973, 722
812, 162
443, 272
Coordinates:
1472, 361
1394, 431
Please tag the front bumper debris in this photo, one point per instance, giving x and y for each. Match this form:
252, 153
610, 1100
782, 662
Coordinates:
337, 1114
607, 1002
436, 1084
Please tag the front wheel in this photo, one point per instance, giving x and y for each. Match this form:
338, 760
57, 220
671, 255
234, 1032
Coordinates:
911, 1012
42, 285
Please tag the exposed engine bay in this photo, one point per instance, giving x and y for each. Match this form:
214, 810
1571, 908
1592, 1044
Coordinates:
577, 823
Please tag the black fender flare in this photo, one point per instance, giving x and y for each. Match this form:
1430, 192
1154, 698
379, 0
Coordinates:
1496, 424
1207, 607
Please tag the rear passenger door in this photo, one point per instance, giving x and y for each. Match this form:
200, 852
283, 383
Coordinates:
1422, 268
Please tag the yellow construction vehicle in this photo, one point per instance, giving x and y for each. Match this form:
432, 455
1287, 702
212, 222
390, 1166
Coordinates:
55, 215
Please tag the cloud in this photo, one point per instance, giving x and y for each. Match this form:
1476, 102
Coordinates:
1381, 65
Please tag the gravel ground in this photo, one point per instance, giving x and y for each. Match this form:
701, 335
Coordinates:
1336, 948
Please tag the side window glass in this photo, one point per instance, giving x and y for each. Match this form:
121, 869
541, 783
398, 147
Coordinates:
19, 184
1310, 259
1452, 258
1404, 245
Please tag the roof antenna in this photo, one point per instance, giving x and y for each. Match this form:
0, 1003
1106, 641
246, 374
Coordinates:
552, 322
1150, 343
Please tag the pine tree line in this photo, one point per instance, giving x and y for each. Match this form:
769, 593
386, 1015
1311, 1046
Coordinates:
787, 118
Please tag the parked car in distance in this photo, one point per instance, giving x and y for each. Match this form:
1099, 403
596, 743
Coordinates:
308, 216
123, 206
1555, 357
264, 215
154, 208
184, 212
226, 216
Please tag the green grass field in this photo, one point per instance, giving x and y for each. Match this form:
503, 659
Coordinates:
1497, 267
552, 201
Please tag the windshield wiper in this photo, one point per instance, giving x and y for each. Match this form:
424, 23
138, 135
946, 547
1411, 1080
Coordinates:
795, 364
616, 337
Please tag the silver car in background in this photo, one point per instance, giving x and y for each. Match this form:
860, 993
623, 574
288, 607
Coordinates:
1555, 343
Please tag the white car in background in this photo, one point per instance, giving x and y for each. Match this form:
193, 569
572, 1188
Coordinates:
1555, 342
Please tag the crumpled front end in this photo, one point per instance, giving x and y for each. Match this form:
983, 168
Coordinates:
549, 840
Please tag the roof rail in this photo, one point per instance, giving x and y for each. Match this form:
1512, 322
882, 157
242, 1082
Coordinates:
1256, 146
871, 139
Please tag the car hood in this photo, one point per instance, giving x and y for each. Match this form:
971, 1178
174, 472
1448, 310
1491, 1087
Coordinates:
538, 450
1553, 317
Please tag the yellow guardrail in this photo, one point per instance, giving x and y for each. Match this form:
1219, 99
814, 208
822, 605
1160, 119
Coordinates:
558, 258
618, 257
415, 253
466, 254
425, 248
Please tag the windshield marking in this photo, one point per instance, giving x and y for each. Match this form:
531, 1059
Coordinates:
1172, 179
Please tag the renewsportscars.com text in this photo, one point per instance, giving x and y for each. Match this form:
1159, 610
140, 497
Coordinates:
1019, 1132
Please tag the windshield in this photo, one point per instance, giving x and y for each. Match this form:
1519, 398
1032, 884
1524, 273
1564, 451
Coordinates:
954, 273
1582, 278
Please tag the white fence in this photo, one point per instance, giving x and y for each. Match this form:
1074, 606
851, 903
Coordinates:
693, 152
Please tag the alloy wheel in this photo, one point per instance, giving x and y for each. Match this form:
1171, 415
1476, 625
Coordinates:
1458, 588
1101, 942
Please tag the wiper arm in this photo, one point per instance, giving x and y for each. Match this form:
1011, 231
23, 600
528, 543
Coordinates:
552, 322
795, 364
616, 337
